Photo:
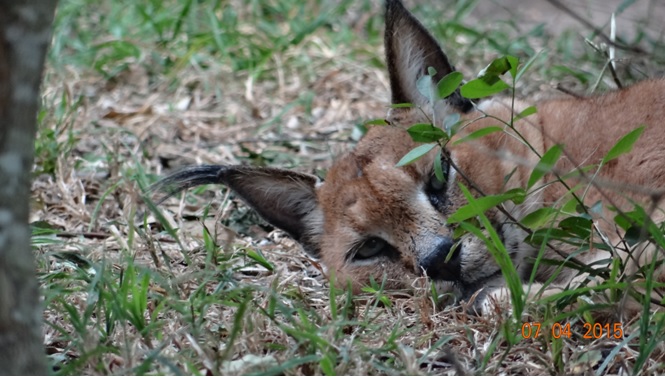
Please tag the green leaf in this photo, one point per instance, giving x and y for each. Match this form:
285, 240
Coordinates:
517, 195
547, 234
623, 221
545, 165
499, 66
525, 113
633, 235
484, 203
488, 81
327, 365
449, 84
571, 206
426, 133
478, 134
497, 249
527, 65
359, 131
624, 145
451, 123
260, 259
376, 122
539, 218
415, 154
514, 63
424, 85
483, 87
578, 226
402, 105
438, 169
636, 222
597, 208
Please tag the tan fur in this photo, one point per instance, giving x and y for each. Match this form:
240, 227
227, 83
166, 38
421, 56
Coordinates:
365, 194
372, 219
587, 128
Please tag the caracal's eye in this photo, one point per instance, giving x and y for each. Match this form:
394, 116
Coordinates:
373, 247
370, 248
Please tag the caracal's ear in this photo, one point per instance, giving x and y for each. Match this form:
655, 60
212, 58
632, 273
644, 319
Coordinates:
284, 198
410, 50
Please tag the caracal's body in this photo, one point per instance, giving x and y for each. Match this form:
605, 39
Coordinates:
371, 218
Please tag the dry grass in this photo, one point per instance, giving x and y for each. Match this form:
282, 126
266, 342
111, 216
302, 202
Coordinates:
124, 297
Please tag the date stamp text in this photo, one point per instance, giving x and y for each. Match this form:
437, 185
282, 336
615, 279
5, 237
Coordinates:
562, 330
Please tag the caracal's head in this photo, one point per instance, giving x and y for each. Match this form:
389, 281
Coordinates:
390, 222
371, 218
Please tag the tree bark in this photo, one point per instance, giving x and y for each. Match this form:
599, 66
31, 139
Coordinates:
25, 34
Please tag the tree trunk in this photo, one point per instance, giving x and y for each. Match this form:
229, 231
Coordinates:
25, 34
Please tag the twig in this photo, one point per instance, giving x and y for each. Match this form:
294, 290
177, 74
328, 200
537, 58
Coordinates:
561, 88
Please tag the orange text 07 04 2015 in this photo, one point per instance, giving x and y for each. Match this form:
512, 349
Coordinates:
563, 330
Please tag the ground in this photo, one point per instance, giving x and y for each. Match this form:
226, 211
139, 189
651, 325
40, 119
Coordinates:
136, 89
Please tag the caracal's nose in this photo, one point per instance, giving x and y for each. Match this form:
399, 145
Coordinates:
435, 264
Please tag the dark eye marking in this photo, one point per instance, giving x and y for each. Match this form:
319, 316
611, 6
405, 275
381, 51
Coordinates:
435, 189
372, 247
